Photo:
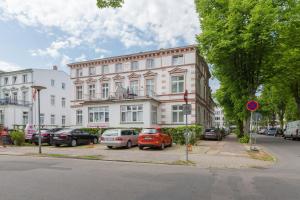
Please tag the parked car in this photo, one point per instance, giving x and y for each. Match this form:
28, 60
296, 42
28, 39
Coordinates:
45, 137
73, 137
262, 131
272, 131
292, 130
211, 133
120, 138
29, 131
154, 137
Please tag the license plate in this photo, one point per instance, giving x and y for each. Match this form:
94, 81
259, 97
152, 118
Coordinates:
147, 138
109, 139
55, 137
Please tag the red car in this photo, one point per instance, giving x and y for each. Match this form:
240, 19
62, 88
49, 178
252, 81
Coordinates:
154, 137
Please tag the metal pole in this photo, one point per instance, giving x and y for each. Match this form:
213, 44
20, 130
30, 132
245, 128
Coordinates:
251, 130
186, 138
39, 123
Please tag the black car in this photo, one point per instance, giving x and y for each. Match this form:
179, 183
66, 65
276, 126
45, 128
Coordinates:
46, 136
73, 137
212, 133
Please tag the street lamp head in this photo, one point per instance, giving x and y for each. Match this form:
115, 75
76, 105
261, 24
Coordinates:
38, 87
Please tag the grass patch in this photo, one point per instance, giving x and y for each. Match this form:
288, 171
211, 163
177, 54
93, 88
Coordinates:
261, 155
183, 162
85, 157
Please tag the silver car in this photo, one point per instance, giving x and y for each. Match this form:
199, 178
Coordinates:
120, 138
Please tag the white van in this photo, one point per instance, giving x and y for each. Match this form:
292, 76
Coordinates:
292, 130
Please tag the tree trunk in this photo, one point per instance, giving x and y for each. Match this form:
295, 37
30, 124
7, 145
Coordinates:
295, 86
247, 125
240, 127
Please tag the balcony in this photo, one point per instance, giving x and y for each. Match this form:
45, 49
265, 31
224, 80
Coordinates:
120, 95
8, 101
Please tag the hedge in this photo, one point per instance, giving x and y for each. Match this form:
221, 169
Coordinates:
177, 133
17, 137
100, 131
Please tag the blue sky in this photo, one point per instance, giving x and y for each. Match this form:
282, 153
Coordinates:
40, 34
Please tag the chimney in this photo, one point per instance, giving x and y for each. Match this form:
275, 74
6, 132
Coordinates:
54, 67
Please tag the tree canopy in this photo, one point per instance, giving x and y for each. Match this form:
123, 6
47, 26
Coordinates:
110, 3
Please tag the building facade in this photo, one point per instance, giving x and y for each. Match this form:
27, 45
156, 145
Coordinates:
219, 121
141, 90
18, 106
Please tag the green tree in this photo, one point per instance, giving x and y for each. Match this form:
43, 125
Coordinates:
110, 3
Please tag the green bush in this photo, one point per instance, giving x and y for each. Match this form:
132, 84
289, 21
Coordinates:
245, 139
177, 133
17, 137
237, 133
93, 131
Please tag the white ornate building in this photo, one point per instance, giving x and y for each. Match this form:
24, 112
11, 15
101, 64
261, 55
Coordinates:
17, 107
142, 89
219, 121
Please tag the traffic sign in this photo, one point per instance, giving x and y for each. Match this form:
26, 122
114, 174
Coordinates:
186, 109
185, 96
252, 105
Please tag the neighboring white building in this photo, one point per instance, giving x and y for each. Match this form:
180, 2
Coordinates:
219, 121
141, 90
17, 107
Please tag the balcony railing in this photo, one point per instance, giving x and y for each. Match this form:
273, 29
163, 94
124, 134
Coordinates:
119, 95
8, 101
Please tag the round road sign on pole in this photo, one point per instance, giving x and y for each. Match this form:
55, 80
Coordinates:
252, 105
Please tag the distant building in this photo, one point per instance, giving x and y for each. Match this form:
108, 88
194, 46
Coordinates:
142, 89
219, 121
17, 107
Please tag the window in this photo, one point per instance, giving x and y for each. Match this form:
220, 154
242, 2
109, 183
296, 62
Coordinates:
79, 117
132, 113
134, 65
24, 78
52, 120
134, 87
119, 84
63, 120
99, 114
105, 90
79, 92
92, 71
177, 60
24, 96
14, 79
25, 118
105, 69
177, 84
92, 91
150, 63
6, 81
177, 114
150, 87
79, 72
52, 100
63, 102
1, 117
119, 67
42, 118
63, 86
52, 82
15, 97
154, 114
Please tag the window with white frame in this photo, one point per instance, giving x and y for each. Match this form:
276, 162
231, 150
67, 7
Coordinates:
150, 63
134, 65
63, 86
79, 73
92, 71
92, 91
98, 114
14, 79
134, 87
63, 120
52, 119
1, 117
79, 91
177, 83
63, 102
119, 67
24, 96
15, 97
105, 90
154, 114
42, 118
78, 117
24, 78
6, 81
52, 100
177, 114
25, 118
177, 60
52, 82
119, 84
150, 87
105, 69
131, 113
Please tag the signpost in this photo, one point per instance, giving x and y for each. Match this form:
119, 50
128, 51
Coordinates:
186, 134
252, 106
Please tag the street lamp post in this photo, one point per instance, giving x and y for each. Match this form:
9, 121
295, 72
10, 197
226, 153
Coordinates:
38, 88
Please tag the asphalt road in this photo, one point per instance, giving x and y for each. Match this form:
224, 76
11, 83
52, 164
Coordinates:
27, 178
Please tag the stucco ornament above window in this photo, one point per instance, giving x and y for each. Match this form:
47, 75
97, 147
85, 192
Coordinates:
177, 70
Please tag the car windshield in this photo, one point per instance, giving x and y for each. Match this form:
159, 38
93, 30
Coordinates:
64, 131
149, 131
209, 130
272, 129
111, 133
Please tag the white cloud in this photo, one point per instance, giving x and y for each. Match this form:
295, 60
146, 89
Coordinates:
139, 23
82, 57
6, 66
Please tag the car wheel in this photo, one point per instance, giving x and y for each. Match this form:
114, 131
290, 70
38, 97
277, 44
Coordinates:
141, 147
36, 143
110, 147
95, 141
129, 144
162, 146
73, 143
57, 145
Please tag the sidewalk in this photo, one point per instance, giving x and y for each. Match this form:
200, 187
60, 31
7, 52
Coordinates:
207, 154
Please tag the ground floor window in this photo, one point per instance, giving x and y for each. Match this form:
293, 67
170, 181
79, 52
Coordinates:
1, 117
132, 113
25, 117
52, 119
99, 114
78, 117
42, 118
63, 120
154, 114
177, 114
